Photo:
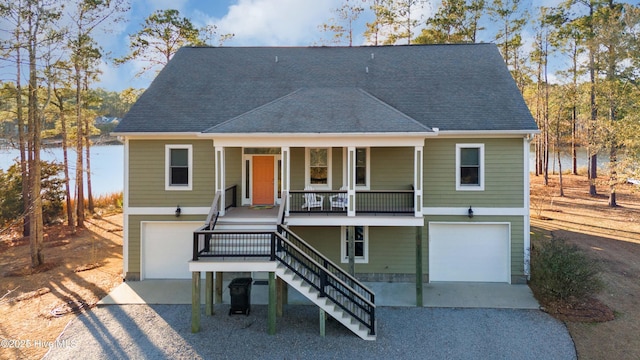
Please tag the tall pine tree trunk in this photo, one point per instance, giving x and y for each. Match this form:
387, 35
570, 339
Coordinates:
65, 157
79, 148
36, 231
22, 141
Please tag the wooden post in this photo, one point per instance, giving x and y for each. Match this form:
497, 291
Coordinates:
271, 313
195, 302
280, 285
323, 318
419, 302
218, 287
351, 244
208, 294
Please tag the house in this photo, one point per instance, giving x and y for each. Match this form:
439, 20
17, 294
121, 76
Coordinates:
411, 159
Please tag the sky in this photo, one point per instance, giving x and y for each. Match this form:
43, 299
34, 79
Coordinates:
254, 23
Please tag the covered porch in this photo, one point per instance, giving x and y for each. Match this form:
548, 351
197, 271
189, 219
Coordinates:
321, 177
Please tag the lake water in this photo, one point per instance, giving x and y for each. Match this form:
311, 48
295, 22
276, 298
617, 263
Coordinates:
107, 169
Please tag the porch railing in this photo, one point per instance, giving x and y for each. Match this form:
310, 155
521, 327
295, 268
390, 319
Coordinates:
230, 197
331, 281
373, 201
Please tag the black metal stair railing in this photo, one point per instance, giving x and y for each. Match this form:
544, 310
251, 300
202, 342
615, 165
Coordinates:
326, 283
327, 264
331, 281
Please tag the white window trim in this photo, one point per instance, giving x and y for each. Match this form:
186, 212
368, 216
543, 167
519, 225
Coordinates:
460, 187
167, 167
345, 171
343, 246
307, 166
247, 195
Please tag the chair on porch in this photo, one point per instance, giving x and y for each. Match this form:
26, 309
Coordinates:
312, 200
340, 200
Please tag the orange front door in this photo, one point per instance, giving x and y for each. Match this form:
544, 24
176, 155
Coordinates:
263, 180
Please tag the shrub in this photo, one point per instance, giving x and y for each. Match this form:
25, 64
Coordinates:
560, 271
11, 204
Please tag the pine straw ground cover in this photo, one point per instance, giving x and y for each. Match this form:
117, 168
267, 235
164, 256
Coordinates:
607, 325
79, 269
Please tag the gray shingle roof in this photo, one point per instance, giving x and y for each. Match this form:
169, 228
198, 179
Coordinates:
332, 89
321, 110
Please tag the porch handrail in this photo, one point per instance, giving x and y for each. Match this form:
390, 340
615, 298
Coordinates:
328, 264
214, 210
282, 208
326, 278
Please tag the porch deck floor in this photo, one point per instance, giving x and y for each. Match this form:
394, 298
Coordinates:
447, 295
267, 212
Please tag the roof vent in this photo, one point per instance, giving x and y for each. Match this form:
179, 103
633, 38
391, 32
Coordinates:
372, 56
366, 69
276, 59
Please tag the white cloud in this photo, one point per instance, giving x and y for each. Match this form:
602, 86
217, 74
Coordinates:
275, 22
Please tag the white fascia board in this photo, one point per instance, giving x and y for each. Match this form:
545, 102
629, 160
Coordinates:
158, 135
232, 266
486, 133
167, 211
354, 221
317, 140
477, 211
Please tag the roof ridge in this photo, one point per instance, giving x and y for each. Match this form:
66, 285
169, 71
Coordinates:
253, 110
394, 109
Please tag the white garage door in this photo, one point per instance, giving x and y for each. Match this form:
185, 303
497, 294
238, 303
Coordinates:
166, 249
469, 252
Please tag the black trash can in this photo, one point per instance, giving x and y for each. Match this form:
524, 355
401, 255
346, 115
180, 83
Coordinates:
240, 291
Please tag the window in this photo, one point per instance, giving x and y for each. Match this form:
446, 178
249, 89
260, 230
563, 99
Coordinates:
470, 167
319, 167
361, 244
362, 160
179, 169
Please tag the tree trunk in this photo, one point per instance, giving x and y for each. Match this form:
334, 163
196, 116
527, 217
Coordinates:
593, 158
36, 234
613, 177
79, 148
560, 173
22, 141
88, 150
65, 157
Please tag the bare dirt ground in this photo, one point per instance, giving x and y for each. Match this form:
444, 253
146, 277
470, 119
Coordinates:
36, 304
610, 235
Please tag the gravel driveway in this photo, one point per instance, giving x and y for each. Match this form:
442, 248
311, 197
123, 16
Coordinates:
164, 331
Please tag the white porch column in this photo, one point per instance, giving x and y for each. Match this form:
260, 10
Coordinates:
417, 180
285, 175
220, 176
351, 181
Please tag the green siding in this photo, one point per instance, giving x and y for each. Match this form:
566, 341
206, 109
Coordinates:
392, 168
336, 168
233, 171
297, 168
517, 236
134, 235
147, 174
391, 249
504, 169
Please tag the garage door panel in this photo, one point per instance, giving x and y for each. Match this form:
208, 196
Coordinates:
469, 252
166, 249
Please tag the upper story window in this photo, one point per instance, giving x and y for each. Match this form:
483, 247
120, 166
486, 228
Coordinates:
179, 167
319, 167
361, 239
470, 167
362, 167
